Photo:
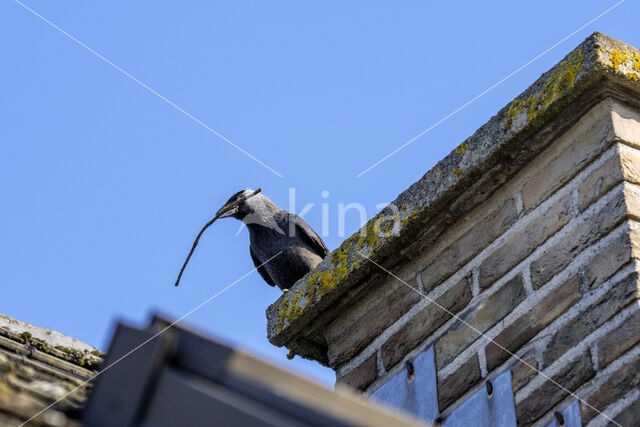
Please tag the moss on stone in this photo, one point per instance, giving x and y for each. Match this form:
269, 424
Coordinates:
345, 259
457, 172
8, 319
584, 69
561, 79
462, 148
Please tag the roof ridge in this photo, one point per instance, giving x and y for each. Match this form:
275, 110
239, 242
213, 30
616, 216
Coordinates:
51, 342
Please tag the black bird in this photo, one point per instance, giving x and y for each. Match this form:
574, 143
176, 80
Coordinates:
273, 233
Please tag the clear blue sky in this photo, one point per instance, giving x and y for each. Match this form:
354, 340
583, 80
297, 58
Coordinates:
104, 185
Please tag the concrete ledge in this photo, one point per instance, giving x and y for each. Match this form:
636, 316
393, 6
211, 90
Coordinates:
598, 68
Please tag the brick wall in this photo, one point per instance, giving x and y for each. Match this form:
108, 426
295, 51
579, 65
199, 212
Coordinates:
545, 269
513, 259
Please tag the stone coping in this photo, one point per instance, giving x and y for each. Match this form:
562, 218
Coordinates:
598, 68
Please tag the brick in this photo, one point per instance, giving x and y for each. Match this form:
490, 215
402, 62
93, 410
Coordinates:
524, 242
630, 159
619, 340
528, 325
549, 393
558, 256
616, 387
363, 375
632, 199
482, 317
629, 415
626, 125
585, 145
375, 315
618, 297
470, 244
600, 181
609, 260
425, 322
523, 373
459, 382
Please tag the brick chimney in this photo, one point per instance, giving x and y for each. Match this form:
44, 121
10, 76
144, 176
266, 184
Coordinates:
516, 255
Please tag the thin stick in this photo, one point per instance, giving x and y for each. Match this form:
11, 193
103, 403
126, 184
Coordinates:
195, 242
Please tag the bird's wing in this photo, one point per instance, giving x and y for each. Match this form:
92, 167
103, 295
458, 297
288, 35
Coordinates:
263, 271
309, 236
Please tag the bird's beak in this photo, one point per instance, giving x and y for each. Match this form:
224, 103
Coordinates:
226, 211
232, 208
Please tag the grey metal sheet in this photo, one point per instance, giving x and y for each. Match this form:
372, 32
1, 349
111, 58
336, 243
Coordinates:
418, 395
117, 397
186, 400
497, 410
571, 415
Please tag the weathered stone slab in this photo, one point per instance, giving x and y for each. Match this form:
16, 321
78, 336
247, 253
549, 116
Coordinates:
526, 327
479, 319
425, 322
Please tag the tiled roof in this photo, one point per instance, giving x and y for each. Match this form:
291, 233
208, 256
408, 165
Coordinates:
39, 366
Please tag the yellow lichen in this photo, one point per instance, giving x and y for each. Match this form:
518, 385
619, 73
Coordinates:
618, 58
636, 62
458, 172
387, 230
319, 283
462, 148
562, 78
8, 319
407, 219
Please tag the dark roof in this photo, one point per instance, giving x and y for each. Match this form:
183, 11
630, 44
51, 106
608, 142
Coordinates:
37, 367
166, 375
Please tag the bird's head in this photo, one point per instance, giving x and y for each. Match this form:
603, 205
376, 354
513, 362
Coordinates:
241, 204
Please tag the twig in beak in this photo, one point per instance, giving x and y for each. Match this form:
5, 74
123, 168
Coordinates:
195, 242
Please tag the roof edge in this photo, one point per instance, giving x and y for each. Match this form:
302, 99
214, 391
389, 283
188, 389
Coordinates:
599, 58
51, 342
